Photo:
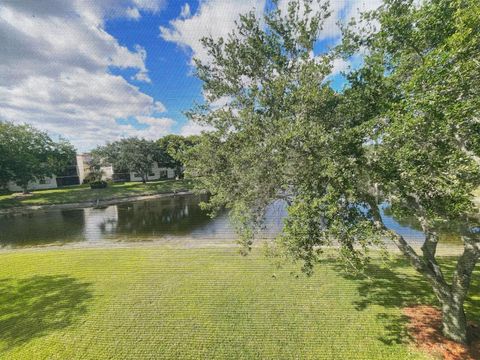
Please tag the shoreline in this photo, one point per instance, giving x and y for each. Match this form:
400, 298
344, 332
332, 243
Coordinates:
192, 243
17, 210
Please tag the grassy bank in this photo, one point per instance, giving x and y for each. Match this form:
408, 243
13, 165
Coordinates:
199, 303
83, 193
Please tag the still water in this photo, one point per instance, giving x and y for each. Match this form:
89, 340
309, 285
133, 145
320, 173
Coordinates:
165, 219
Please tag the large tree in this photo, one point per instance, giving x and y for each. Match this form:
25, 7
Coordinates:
136, 155
5, 173
174, 148
285, 134
419, 91
28, 154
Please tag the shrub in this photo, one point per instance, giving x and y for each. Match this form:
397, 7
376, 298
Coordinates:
98, 184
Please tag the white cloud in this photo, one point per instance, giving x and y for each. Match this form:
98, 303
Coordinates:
341, 11
339, 65
154, 121
159, 107
213, 18
193, 128
81, 106
54, 68
185, 12
133, 13
157, 127
216, 18
220, 102
151, 5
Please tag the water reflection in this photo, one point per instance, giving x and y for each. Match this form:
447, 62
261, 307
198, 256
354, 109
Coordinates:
41, 228
449, 233
178, 217
174, 216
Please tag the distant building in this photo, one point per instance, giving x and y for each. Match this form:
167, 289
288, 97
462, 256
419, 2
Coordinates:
157, 173
47, 183
83, 166
68, 176
120, 175
79, 168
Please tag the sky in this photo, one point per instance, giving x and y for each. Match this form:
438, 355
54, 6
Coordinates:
94, 71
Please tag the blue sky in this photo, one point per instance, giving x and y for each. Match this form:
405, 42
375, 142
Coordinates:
172, 79
97, 70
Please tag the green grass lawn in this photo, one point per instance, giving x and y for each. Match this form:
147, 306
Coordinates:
81, 193
145, 303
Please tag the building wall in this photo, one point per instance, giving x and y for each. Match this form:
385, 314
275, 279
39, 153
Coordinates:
107, 172
83, 167
49, 183
157, 173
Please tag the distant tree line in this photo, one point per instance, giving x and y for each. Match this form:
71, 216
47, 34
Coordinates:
139, 155
28, 155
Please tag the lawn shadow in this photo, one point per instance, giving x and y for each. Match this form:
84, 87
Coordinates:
389, 285
394, 284
472, 304
36, 306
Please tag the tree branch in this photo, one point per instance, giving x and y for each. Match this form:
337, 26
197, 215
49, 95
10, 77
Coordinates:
439, 285
465, 266
429, 248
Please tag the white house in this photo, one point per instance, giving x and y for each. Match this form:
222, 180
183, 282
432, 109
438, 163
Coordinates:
157, 173
47, 183
108, 173
68, 176
76, 173
83, 166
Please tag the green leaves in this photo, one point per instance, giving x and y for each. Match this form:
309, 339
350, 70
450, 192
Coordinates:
27, 154
429, 127
405, 130
132, 154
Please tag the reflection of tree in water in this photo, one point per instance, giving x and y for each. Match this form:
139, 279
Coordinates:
448, 232
177, 215
41, 228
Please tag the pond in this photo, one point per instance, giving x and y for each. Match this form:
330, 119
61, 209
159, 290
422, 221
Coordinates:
168, 219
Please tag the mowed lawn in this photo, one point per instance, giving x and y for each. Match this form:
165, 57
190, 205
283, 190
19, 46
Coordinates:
159, 303
82, 193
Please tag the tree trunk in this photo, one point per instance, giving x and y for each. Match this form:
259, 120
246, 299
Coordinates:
454, 321
451, 297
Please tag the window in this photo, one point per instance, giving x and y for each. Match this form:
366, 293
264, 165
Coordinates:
163, 174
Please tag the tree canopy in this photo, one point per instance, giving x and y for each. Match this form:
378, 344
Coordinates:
174, 149
136, 155
420, 82
27, 154
404, 132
